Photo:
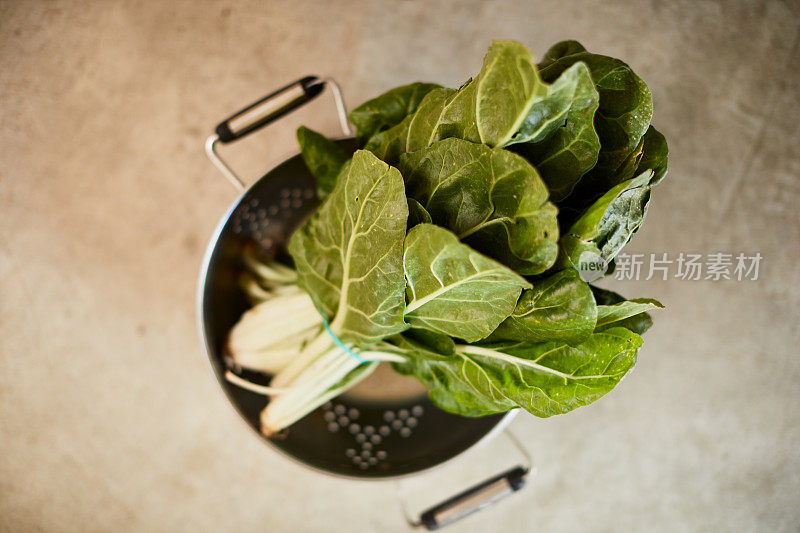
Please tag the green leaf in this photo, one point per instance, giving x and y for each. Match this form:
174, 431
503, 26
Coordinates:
428, 124
439, 115
639, 324
628, 211
546, 379
508, 99
439, 373
623, 116
506, 103
624, 215
563, 157
560, 307
608, 315
608, 224
323, 157
454, 290
388, 109
348, 255
492, 199
417, 214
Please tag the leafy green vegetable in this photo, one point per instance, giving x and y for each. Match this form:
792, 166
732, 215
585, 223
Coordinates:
625, 212
506, 103
348, 255
452, 289
623, 116
416, 131
565, 156
492, 199
524, 170
609, 223
608, 315
545, 379
323, 157
558, 308
388, 109
638, 323
440, 373
625, 215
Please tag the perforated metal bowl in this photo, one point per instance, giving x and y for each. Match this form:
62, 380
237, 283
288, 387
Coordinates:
357, 436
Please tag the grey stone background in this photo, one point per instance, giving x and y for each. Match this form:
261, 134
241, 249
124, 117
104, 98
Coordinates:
109, 419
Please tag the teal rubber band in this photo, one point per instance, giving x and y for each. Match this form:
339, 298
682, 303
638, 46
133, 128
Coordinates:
341, 345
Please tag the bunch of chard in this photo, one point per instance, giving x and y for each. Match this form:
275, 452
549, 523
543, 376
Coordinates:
454, 243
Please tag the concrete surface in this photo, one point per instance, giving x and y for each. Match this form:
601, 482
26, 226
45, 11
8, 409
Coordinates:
109, 419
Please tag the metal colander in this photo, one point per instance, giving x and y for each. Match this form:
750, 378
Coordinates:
355, 435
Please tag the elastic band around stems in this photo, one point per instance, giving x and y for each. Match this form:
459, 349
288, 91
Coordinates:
341, 345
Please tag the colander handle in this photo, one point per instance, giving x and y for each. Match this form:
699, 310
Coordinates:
269, 109
474, 499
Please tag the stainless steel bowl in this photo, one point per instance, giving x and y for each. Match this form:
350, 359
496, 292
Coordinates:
365, 436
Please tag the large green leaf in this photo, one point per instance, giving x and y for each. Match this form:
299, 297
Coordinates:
349, 254
572, 149
452, 289
626, 107
624, 215
388, 109
608, 224
323, 157
509, 101
492, 199
559, 307
506, 103
638, 323
546, 379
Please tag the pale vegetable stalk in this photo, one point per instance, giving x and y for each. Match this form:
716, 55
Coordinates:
269, 335
283, 335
